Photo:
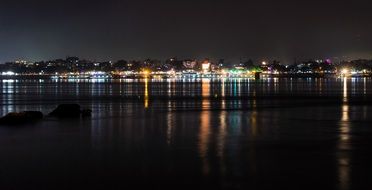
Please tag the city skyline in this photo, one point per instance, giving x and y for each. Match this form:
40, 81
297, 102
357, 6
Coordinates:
185, 94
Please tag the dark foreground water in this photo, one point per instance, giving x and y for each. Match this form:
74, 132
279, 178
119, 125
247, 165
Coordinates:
221, 134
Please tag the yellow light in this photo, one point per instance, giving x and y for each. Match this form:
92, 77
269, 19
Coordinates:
146, 72
206, 66
224, 72
146, 94
264, 63
344, 71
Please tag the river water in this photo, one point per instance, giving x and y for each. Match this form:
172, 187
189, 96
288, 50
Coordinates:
182, 134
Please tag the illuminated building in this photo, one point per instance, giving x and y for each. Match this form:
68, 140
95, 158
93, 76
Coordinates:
206, 66
189, 64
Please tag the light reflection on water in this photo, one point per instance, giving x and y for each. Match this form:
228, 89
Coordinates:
345, 141
146, 94
187, 88
224, 128
204, 137
7, 95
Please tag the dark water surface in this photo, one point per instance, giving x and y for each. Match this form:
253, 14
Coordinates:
197, 134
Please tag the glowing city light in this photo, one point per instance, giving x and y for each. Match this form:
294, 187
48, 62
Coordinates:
8, 73
206, 66
344, 71
146, 72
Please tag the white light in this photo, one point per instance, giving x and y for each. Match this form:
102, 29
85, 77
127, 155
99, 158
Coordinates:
97, 73
344, 71
8, 73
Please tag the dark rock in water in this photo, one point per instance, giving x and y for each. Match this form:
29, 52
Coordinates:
25, 117
86, 113
70, 111
66, 110
37, 115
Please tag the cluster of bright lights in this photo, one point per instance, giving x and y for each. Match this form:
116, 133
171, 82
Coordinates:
206, 72
97, 73
206, 66
146, 72
344, 71
8, 73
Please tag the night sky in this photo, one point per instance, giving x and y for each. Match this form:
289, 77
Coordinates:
137, 29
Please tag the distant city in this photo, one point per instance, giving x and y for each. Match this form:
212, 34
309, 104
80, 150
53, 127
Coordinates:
73, 67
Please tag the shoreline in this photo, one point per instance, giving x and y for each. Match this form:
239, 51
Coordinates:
113, 77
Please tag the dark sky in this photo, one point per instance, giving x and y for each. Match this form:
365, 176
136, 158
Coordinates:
138, 29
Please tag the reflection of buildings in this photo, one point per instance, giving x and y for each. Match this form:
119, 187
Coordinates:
345, 122
170, 123
222, 134
146, 94
221, 141
206, 66
223, 95
7, 97
344, 94
206, 92
343, 157
204, 133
